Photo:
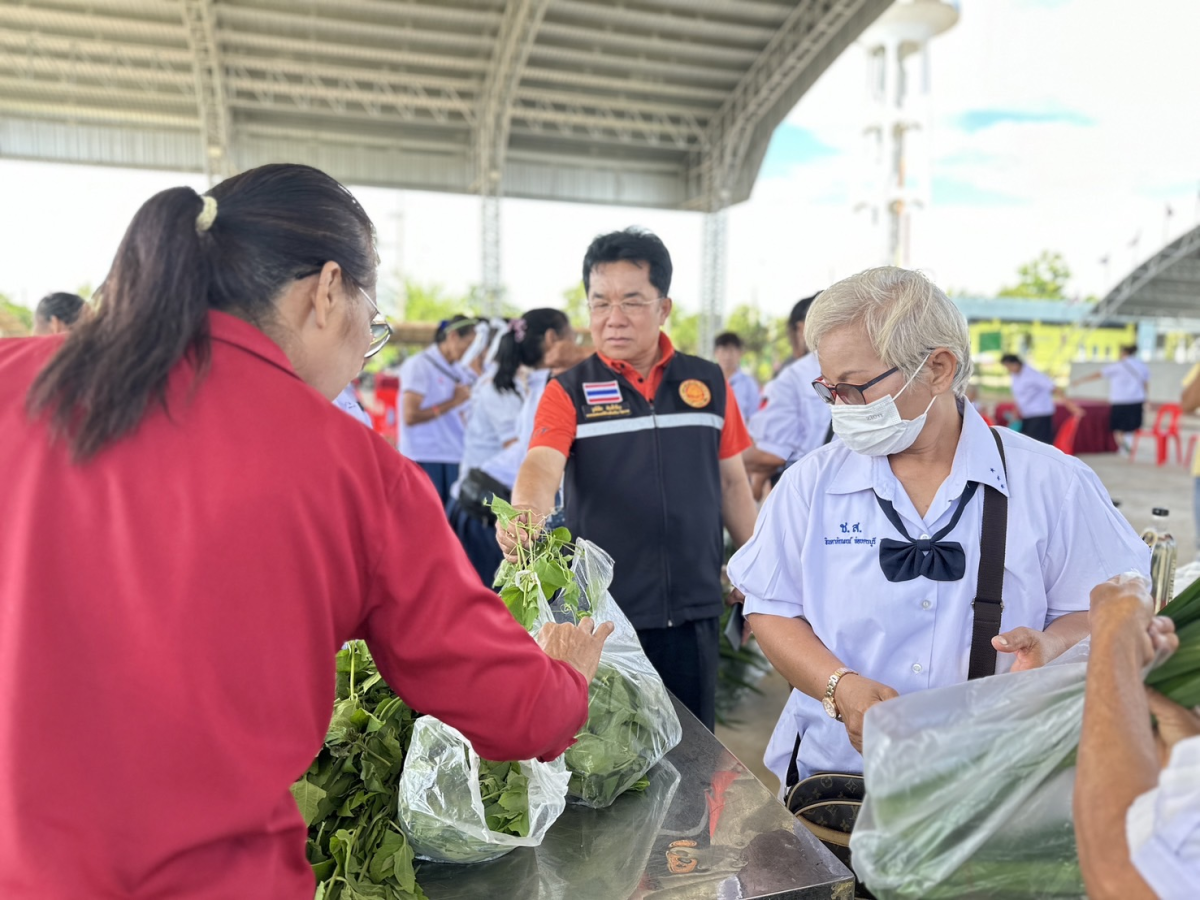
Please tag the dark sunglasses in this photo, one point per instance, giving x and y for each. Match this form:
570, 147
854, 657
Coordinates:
851, 394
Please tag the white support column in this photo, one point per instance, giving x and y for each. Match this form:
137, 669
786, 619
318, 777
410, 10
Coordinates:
199, 20
712, 285
490, 245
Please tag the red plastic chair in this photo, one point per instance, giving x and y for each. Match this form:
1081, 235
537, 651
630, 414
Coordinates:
1165, 430
1065, 439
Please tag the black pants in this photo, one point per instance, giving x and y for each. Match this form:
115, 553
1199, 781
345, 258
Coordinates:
686, 657
478, 540
1040, 428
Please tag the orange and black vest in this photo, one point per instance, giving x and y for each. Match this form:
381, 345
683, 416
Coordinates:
643, 482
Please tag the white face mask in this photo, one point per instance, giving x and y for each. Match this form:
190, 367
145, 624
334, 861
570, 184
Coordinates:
876, 429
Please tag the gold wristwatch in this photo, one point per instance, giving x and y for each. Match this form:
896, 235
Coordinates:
827, 700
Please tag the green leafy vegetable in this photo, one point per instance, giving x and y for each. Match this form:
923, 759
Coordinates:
542, 569
348, 795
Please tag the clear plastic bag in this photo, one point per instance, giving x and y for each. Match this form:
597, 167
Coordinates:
631, 723
441, 809
969, 788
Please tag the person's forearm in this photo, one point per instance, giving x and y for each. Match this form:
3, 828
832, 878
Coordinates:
761, 462
415, 415
536, 486
737, 508
1067, 631
795, 652
1116, 763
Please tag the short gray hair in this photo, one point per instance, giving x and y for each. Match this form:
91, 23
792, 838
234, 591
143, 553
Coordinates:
905, 316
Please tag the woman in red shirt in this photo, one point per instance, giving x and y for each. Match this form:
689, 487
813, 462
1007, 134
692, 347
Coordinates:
191, 530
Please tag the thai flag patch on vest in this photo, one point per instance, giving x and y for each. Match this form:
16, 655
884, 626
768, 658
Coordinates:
597, 392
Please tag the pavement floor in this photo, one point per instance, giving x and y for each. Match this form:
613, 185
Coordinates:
1137, 487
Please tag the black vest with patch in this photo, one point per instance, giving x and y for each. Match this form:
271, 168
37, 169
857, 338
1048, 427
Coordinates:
643, 482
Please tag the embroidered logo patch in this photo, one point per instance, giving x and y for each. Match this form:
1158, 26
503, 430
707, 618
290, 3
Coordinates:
598, 392
695, 393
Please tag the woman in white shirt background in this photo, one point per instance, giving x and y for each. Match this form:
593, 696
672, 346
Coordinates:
540, 338
434, 389
1128, 382
860, 578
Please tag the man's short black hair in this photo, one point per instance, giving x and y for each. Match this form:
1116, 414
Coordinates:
62, 306
635, 245
728, 339
1011, 358
800, 311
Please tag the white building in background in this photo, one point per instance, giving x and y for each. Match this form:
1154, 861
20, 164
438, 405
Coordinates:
897, 154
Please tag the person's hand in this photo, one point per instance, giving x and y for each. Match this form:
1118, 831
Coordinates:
1122, 609
578, 646
1175, 723
523, 529
854, 695
1074, 409
1033, 648
462, 393
734, 597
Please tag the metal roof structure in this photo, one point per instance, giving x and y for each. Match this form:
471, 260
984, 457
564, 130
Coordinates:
1164, 287
654, 103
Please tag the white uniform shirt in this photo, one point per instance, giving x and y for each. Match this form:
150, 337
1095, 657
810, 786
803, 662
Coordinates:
1127, 381
439, 440
1163, 827
795, 419
347, 401
505, 464
1033, 392
493, 423
815, 554
746, 390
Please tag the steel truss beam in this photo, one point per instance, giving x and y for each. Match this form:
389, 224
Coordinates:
518, 31
200, 22
1137, 281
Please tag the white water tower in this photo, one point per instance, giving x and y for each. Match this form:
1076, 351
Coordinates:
896, 137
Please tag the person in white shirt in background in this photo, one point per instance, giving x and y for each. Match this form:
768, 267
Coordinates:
1128, 383
1137, 782
1035, 393
727, 352
864, 560
792, 420
498, 432
434, 387
347, 401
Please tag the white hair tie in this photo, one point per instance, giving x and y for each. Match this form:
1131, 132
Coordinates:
207, 214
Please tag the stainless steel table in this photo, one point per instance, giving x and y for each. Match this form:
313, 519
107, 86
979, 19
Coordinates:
705, 829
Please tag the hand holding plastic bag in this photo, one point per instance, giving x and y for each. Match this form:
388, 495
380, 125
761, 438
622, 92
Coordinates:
969, 788
442, 810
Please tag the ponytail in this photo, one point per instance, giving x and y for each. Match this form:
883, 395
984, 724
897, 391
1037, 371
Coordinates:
154, 313
235, 249
524, 344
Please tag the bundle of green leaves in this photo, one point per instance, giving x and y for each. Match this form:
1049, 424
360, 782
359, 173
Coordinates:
542, 568
349, 795
1179, 677
617, 745
504, 789
1019, 860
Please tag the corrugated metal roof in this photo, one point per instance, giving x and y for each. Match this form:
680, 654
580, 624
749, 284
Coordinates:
666, 103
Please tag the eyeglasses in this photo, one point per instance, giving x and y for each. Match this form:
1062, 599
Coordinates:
851, 394
632, 308
381, 331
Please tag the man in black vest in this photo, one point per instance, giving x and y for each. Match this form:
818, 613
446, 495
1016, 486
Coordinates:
647, 444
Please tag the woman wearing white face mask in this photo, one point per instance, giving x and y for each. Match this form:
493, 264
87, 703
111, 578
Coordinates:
861, 577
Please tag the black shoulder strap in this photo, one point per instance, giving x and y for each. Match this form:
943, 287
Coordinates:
988, 604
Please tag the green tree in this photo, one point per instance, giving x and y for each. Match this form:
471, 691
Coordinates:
1044, 278
15, 320
432, 303
575, 306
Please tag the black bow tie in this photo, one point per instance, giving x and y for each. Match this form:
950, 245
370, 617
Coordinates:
932, 558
